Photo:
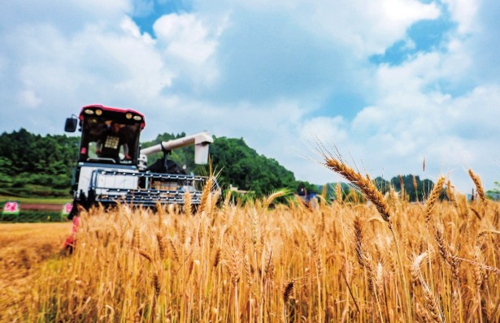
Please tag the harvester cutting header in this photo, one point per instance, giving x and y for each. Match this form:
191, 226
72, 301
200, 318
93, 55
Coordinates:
112, 168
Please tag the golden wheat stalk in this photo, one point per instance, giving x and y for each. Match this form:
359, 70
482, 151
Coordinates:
255, 227
479, 187
214, 200
433, 197
379, 281
174, 249
247, 266
494, 270
136, 238
227, 199
478, 273
205, 203
234, 266
187, 203
338, 193
415, 268
274, 196
217, 257
146, 255
358, 238
269, 269
421, 314
161, 246
431, 303
364, 184
446, 253
450, 193
402, 185
156, 285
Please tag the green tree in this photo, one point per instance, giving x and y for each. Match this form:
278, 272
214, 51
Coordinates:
5, 170
242, 167
28, 159
494, 192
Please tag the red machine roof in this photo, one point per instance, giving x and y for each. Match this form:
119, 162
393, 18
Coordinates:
111, 109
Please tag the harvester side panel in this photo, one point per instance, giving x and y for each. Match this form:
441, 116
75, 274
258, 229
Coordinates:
87, 179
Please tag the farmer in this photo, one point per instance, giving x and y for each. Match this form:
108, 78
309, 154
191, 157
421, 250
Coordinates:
108, 146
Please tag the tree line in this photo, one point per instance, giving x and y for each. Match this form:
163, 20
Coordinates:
410, 188
35, 164
42, 165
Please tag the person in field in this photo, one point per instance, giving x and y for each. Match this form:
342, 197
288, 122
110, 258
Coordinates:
108, 146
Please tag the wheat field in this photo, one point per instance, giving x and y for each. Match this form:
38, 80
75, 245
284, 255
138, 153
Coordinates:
383, 260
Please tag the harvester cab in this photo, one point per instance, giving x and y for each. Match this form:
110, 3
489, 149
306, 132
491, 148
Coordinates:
112, 169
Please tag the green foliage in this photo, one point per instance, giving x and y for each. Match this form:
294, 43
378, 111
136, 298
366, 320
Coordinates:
330, 190
414, 188
29, 162
242, 167
412, 193
34, 216
494, 193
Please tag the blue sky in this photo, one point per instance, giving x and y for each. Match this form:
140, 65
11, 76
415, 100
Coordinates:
389, 82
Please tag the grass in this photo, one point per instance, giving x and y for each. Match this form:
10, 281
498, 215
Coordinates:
30, 190
341, 262
35, 200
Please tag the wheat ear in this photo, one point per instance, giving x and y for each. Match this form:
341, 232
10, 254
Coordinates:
479, 187
431, 201
187, 204
161, 245
365, 185
338, 193
205, 203
273, 196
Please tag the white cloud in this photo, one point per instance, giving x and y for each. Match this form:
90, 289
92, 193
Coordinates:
369, 27
365, 27
450, 132
128, 26
30, 99
325, 128
464, 12
185, 37
188, 43
68, 17
98, 64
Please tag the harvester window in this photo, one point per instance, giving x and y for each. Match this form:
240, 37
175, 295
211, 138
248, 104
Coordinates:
109, 140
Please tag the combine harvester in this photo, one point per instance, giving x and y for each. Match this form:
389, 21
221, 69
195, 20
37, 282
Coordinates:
112, 168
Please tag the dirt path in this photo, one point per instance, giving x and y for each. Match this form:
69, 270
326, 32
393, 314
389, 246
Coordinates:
42, 207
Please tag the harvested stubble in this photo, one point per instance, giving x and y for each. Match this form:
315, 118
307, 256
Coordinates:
248, 263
